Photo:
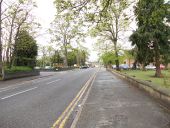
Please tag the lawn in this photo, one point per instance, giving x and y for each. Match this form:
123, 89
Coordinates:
149, 76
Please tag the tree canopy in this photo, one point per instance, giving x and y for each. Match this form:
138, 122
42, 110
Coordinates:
151, 37
26, 49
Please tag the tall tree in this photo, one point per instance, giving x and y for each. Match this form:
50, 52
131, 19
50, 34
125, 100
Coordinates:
106, 17
63, 31
143, 51
19, 17
1, 38
152, 30
26, 50
112, 21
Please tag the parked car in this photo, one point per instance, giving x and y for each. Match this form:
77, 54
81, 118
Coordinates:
114, 66
84, 67
162, 66
48, 67
124, 66
150, 67
37, 67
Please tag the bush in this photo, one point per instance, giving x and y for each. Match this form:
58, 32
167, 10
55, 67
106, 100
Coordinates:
15, 69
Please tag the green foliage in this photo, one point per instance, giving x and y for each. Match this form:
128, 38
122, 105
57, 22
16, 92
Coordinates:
143, 54
108, 58
16, 69
72, 58
56, 58
77, 56
151, 37
26, 50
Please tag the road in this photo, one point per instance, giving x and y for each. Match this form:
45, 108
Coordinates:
38, 103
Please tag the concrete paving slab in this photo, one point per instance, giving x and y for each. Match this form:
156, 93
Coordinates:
113, 103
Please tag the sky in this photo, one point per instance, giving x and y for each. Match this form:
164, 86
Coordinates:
45, 13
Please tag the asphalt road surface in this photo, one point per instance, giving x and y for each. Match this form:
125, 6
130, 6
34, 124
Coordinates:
39, 102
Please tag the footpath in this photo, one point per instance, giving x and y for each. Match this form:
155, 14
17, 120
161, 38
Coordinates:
114, 103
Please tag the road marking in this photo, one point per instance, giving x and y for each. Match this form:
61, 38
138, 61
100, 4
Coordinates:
53, 81
11, 87
18, 93
19, 84
67, 109
73, 125
69, 113
61, 121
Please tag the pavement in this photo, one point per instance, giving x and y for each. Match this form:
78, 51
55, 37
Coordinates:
114, 103
39, 102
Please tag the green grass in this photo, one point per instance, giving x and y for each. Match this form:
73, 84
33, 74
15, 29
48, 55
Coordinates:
149, 76
15, 69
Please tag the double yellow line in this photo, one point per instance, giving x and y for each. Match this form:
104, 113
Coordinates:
61, 121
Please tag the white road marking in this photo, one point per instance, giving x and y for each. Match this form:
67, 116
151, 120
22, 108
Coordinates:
18, 93
11, 87
19, 85
53, 81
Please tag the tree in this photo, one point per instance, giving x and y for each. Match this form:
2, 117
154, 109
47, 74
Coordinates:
1, 38
57, 58
26, 50
63, 31
106, 17
112, 21
18, 17
72, 58
108, 58
143, 53
51, 52
152, 33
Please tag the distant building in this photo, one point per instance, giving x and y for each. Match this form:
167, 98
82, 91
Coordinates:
129, 62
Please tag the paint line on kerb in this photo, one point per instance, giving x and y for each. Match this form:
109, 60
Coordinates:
18, 93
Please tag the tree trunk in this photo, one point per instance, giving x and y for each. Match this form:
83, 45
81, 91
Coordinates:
65, 56
14, 54
157, 60
117, 60
166, 66
8, 55
143, 67
78, 58
1, 63
134, 65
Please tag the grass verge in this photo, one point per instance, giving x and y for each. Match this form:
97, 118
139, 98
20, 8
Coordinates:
149, 76
16, 69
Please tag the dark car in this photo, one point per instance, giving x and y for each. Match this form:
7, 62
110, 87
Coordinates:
84, 67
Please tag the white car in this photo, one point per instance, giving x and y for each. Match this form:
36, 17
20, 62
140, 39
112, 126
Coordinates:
150, 67
48, 67
37, 67
114, 66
